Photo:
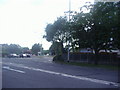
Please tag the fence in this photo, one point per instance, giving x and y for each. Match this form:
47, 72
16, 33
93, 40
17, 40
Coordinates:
103, 58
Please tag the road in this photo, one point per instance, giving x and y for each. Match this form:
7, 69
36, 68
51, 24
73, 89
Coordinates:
41, 72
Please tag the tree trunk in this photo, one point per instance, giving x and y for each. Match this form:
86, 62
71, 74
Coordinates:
61, 47
96, 60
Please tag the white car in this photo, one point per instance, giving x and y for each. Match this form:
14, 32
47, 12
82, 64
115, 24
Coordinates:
13, 56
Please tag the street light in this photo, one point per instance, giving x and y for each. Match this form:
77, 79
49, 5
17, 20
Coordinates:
69, 29
69, 12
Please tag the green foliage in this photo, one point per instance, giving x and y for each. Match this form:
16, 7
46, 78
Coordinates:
56, 48
45, 52
9, 49
98, 29
94, 29
103, 23
50, 32
36, 48
26, 50
56, 31
57, 34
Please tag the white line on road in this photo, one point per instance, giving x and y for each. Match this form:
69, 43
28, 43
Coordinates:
8, 68
67, 75
76, 77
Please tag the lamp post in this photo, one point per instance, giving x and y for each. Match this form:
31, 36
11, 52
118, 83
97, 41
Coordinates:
69, 29
69, 14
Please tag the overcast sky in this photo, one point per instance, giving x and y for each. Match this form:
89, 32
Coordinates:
23, 22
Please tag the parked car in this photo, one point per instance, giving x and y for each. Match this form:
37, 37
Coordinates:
28, 55
13, 56
24, 55
21, 56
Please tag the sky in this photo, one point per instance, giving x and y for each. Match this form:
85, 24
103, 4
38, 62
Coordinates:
23, 22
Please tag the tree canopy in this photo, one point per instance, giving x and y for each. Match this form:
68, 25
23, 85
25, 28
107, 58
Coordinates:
36, 48
13, 49
97, 29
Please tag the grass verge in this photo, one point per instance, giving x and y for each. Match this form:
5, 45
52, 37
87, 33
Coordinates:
112, 67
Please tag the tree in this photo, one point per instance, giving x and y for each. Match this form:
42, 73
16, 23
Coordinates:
115, 25
26, 50
57, 32
102, 26
97, 30
45, 52
36, 48
50, 32
13, 48
79, 32
10, 49
5, 49
56, 48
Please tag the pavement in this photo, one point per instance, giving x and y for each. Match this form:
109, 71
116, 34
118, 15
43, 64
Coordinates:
42, 72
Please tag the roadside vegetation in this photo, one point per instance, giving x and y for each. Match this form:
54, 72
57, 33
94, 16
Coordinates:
97, 29
7, 49
110, 67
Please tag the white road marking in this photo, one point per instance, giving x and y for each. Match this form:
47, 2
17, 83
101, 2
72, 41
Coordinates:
72, 76
8, 68
67, 75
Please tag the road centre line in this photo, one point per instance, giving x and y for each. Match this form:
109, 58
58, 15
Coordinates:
66, 75
8, 68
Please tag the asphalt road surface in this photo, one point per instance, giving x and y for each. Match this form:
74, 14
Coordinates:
41, 72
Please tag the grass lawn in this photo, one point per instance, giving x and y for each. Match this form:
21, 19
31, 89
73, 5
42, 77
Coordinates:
112, 67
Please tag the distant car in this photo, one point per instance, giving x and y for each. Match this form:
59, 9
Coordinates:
28, 55
13, 56
24, 55
21, 56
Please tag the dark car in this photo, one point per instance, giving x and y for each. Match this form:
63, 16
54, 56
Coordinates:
24, 55
21, 56
28, 55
